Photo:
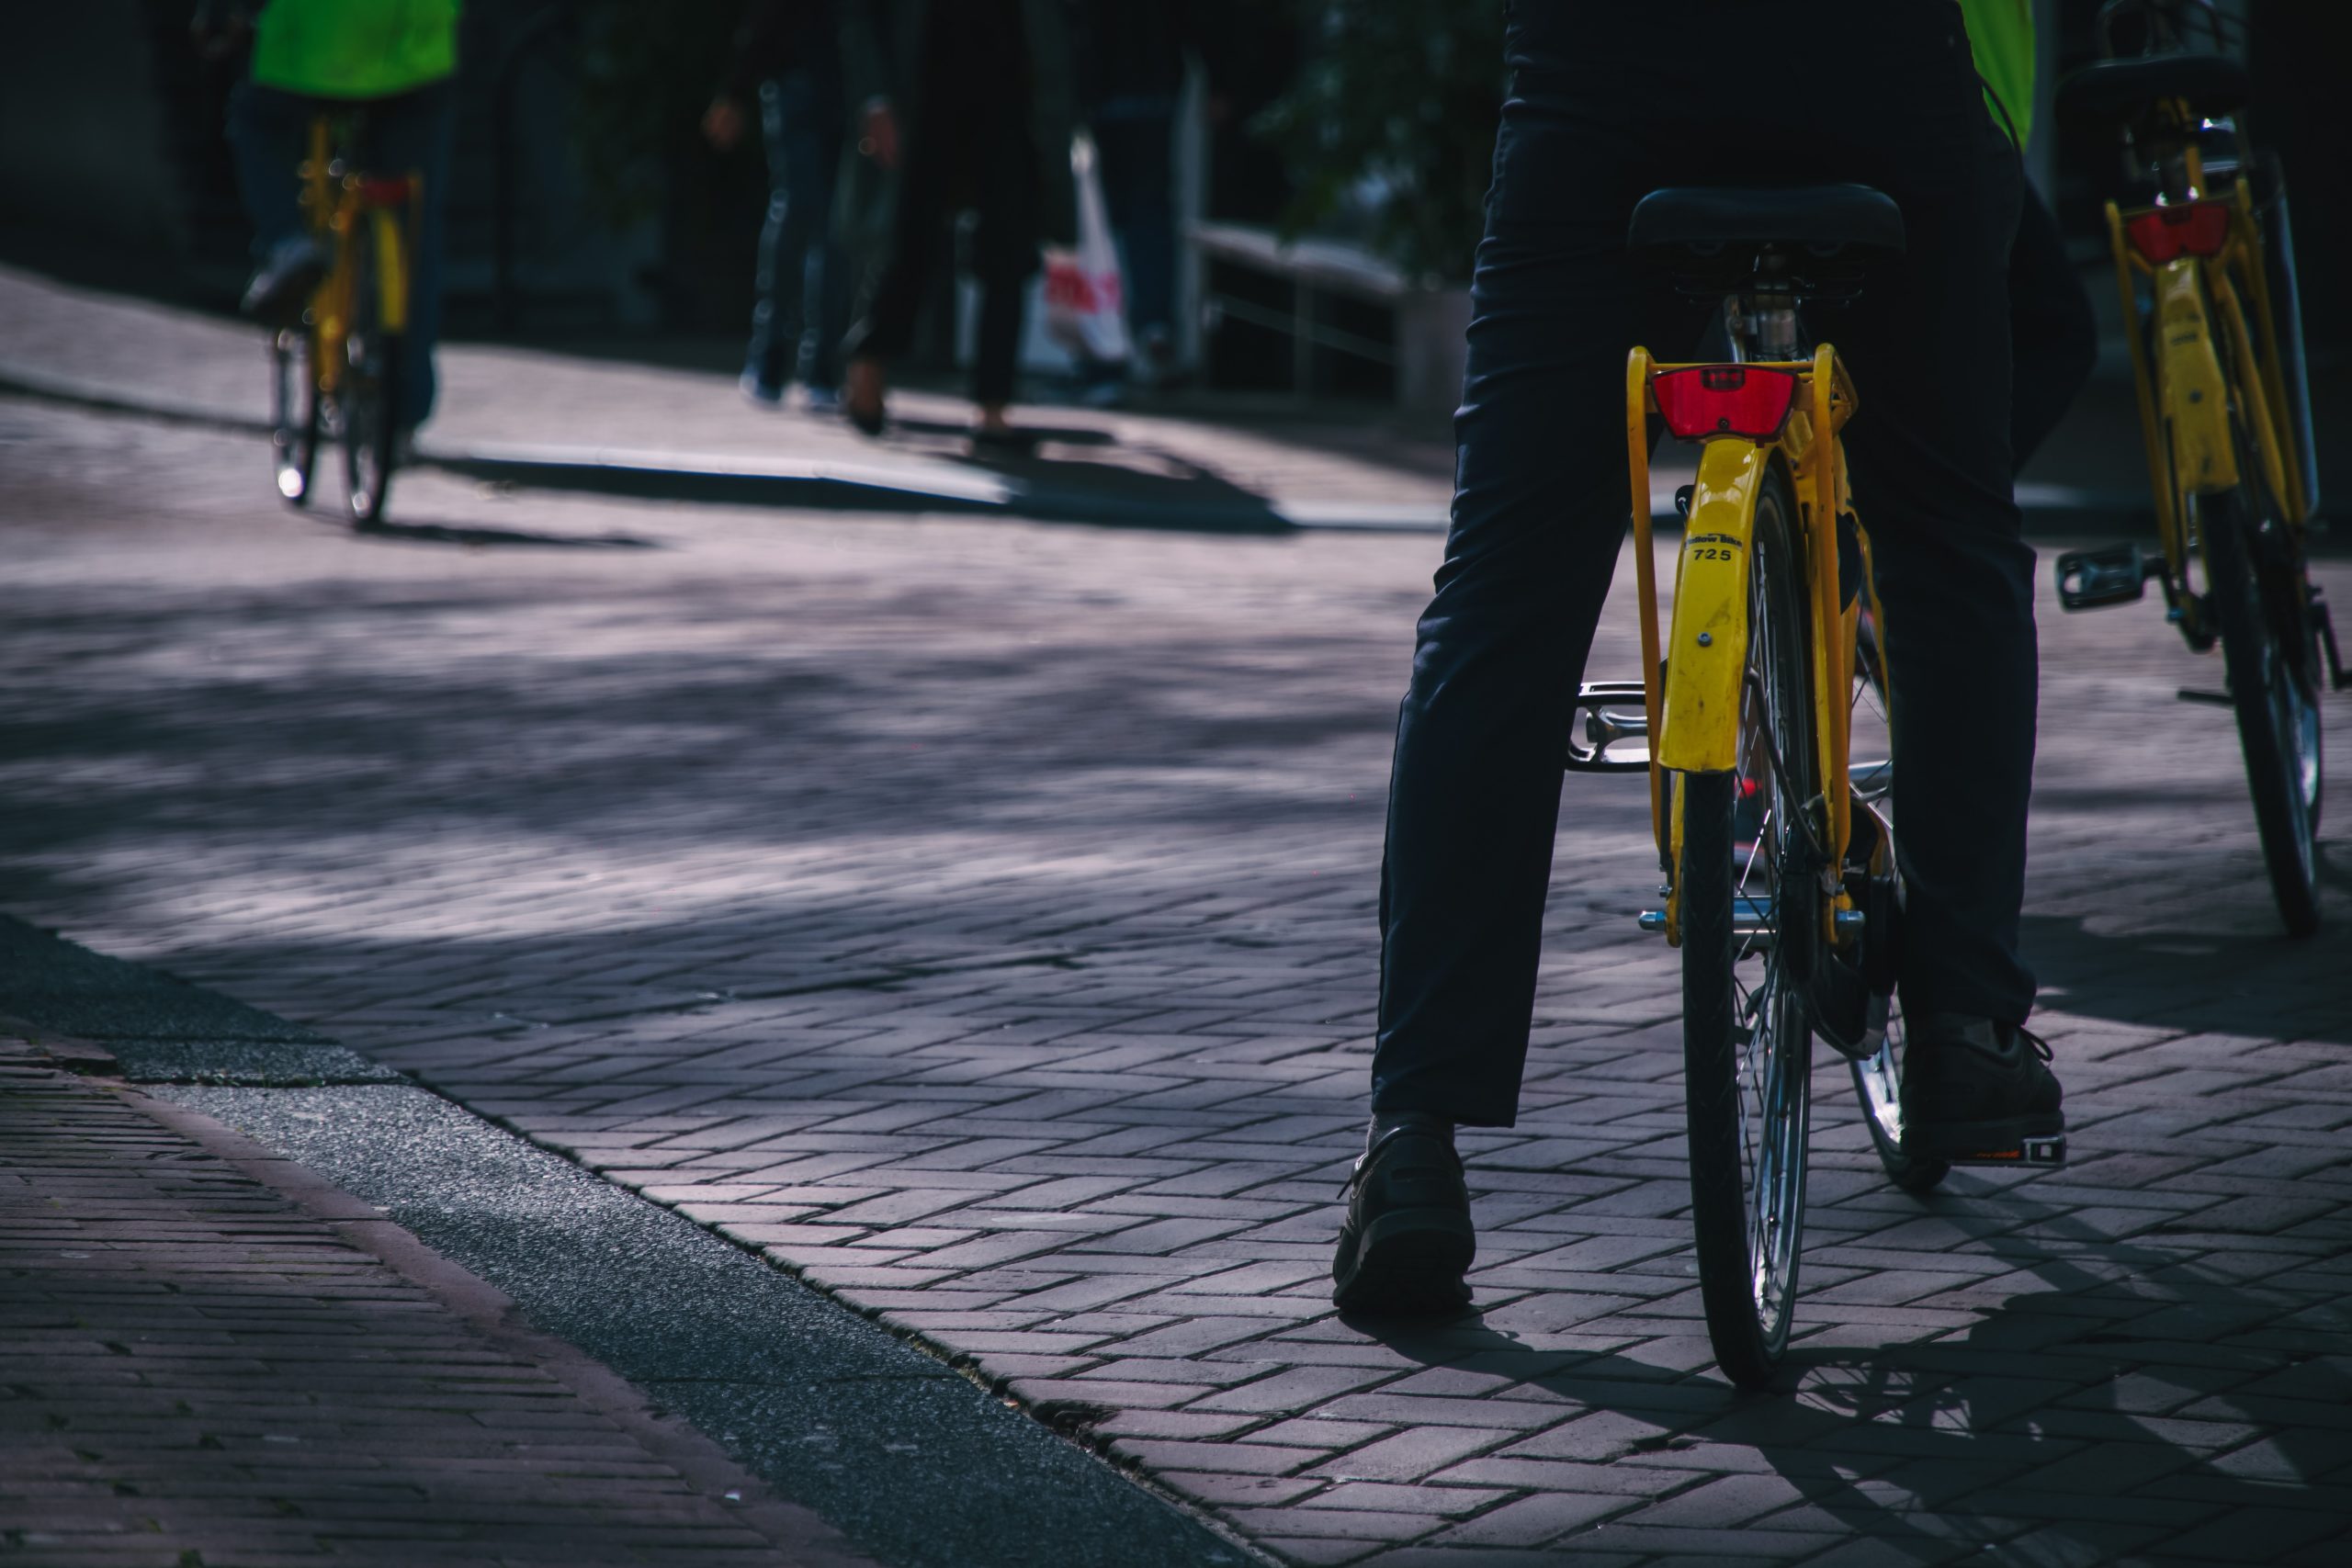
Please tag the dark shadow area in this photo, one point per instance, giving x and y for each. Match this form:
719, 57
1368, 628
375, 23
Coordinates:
2134, 977
1027, 432
1047, 496
2127, 1398
408, 532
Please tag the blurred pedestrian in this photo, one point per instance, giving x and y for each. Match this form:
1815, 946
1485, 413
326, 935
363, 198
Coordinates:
1132, 62
393, 59
969, 104
786, 61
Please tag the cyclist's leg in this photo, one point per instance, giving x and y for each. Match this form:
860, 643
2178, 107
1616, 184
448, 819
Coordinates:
269, 133
413, 131
1930, 452
267, 130
2053, 339
1539, 516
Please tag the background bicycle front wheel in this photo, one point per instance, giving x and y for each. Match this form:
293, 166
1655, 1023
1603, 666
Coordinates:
370, 399
293, 414
1749, 923
2270, 648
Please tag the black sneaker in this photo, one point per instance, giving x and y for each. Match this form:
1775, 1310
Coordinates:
282, 288
1977, 1092
1406, 1240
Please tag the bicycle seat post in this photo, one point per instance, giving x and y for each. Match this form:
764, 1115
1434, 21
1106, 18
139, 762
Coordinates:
1760, 319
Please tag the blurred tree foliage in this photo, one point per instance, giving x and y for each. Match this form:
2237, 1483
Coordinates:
646, 73
1399, 102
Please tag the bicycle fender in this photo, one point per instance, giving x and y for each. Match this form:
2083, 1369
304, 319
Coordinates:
391, 272
1706, 652
2195, 394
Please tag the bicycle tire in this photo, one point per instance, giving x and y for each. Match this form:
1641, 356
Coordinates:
371, 400
293, 414
2268, 648
1748, 1172
1878, 1078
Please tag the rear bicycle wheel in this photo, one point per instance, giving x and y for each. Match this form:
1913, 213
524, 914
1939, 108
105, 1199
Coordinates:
1878, 1078
2270, 649
1749, 917
293, 413
370, 399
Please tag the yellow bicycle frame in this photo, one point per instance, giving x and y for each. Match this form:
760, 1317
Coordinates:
343, 210
1693, 695
2197, 379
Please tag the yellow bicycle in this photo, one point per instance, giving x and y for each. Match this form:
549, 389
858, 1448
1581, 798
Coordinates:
2216, 357
1779, 852
334, 377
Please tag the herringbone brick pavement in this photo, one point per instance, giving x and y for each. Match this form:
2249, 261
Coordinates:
977, 918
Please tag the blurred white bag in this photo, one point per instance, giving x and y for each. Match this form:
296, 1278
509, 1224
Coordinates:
1085, 306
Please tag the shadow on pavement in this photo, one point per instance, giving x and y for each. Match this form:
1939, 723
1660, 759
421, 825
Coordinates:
402, 532
2185, 977
2120, 1394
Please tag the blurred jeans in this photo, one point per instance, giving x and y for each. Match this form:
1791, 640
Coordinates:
270, 136
1135, 140
804, 276
1606, 103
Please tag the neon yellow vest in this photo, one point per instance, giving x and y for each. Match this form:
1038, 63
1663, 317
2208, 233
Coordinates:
355, 49
2000, 34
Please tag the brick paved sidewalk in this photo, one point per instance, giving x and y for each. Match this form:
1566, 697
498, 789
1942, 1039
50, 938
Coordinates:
196, 1371
977, 918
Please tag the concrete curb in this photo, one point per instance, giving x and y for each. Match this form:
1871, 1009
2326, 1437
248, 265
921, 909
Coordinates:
802, 1538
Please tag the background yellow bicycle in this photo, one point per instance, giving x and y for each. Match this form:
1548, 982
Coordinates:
2203, 263
335, 376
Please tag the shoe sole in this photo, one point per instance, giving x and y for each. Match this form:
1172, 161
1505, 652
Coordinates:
1409, 1264
2015, 1141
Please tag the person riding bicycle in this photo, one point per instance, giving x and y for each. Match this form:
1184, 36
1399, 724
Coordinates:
1605, 104
392, 60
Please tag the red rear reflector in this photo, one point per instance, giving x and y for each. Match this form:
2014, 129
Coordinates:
384, 191
1724, 399
2199, 228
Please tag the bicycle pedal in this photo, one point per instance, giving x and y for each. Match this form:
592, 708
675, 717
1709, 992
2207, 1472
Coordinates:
2115, 574
2191, 694
1604, 714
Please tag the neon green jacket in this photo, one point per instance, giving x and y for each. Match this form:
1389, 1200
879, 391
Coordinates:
355, 49
2000, 34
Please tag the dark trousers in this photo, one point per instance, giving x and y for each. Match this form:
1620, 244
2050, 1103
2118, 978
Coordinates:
969, 149
1135, 140
270, 136
803, 278
1605, 104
